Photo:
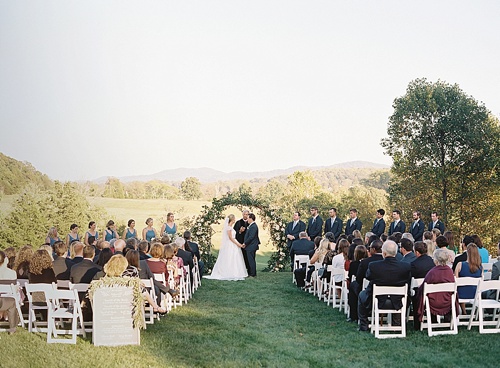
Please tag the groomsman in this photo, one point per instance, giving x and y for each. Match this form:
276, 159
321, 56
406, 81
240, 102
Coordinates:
333, 224
417, 227
436, 223
354, 223
293, 229
379, 223
315, 224
398, 225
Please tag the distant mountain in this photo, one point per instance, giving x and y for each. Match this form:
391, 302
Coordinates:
207, 175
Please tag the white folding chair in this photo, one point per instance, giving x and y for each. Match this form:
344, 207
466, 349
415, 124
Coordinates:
37, 292
13, 291
314, 279
487, 268
480, 305
149, 313
332, 290
196, 274
57, 301
450, 328
324, 284
415, 283
187, 276
463, 319
63, 284
297, 263
167, 301
376, 326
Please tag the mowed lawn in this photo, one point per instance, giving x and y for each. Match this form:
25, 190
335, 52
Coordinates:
261, 322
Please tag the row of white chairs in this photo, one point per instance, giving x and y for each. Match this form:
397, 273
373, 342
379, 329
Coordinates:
476, 306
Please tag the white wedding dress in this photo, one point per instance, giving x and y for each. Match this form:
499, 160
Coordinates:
230, 264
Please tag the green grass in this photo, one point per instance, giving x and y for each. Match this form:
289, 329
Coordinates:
258, 322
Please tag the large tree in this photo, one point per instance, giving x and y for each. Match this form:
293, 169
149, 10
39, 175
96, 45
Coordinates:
445, 147
191, 188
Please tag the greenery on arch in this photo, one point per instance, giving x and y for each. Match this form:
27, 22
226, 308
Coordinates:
213, 214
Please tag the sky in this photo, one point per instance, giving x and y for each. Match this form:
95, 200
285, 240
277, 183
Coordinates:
116, 88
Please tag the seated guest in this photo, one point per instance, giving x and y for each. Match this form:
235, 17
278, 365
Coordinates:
483, 252
340, 260
360, 253
103, 258
143, 248
374, 254
407, 250
22, 264
355, 243
194, 248
463, 246
10, 253
41, 271
157, 263
431, 247
186, 256
8, 305
470, 268
84, 271
119, 246
172, 264
440, 303
423, 263
442, 243
119, 266
388, 272
450, 238
76, 251
301, 247
5, 272
318, 256
62, 265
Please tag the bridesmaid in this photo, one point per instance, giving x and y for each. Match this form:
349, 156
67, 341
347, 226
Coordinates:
131, 231
52, 236
92, 232
110, 232
149, 231
169, 227
73, 234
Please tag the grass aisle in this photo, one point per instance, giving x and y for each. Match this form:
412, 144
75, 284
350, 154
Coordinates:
257, 322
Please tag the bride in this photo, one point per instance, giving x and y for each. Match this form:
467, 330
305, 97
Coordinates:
230, 264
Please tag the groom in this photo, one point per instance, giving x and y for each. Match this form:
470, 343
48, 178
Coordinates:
251, 244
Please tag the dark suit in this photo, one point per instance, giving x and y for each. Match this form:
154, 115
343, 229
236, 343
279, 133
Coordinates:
301, 247
417, 230
315, 227
389, 272
460, 258
290, 230
349, 229
195, 250
62, 267
252, 242
378, 227
83, 272
240, 237
421, 265
439, 225
334, 227
409, 257
187, 258
363, 268
400, 228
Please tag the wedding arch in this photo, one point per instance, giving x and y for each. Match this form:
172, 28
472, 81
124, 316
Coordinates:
212, 214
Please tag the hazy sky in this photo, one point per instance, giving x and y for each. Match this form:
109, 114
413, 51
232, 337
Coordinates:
93, 88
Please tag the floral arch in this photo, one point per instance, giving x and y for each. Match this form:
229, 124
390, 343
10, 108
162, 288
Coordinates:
202, 230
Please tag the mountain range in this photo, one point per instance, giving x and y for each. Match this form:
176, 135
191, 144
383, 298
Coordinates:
207, 175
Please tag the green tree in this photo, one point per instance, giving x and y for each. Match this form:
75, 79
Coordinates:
114, 188
446, 153
191, 189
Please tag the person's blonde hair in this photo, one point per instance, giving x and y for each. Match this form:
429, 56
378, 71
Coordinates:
156, 250
230, 218
48, 248
116, 266
169, 251
431, 247
40, 261
52, 232
357, 234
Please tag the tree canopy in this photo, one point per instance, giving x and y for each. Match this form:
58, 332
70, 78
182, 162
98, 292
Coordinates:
445, 147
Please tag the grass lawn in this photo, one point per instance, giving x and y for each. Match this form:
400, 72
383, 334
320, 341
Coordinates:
258, 322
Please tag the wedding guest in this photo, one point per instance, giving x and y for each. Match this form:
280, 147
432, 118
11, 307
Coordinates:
104, 257
40, 268
442, 243
360, 253
195, 250
436, 223
439, 303
110, 232
49, 250
143, 250
470, 268
436, 232
10, 253
130, 231
172, 264
23, 259
301, 247
5, 272
339, 262
451, 241
76, 251
407, 251
185, 256
84, 271
431, 247
423, 263
61, 265
354, 223
157, 262
149, 232
91, 232
483, 252
52, 236
73, 234
169, 227
319, 254
463, 246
